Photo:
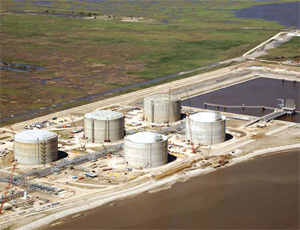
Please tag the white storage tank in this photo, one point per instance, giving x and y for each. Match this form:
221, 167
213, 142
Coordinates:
33, 147
208, 128
162, 108
104, 125
146, 150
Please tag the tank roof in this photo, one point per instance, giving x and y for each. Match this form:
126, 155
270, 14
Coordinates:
34, 136
207, 117
146, 137
104, 115
162, 97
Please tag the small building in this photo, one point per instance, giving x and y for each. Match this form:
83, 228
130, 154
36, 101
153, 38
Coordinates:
91, 175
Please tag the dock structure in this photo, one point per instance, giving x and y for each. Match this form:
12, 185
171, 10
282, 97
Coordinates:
218, 106
276, 114
289, 108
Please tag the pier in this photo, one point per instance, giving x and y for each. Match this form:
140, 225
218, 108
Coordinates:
224, 107
269, 117
289, 108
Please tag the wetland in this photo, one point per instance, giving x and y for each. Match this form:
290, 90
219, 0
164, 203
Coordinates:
84, 57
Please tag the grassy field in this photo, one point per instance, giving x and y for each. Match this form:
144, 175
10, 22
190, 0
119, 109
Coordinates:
287, 51
88, 56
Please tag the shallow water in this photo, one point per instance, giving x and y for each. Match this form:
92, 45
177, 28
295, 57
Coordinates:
24, 68
286, 14
258, 194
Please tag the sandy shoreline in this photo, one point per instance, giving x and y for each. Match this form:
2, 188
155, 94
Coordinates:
94, 202
261, 193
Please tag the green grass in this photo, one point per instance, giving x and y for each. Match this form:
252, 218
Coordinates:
188, 55
287, 51
173, 79
75, 104
11, 122
163, 49
99, 61
60, 90
18, 60
196, 35
8, 91
36, 106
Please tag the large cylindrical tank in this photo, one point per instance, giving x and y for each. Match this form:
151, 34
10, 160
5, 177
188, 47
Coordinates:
35, 147
104, 125
146, 150
162, 108
208, 128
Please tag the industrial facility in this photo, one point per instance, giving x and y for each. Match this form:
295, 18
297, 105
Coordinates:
206, 128
35, 147
104, 126
38, 184
89, 167
162, 108
146, 150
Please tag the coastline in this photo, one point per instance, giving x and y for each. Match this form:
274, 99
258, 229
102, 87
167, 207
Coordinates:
81, 203
95, 202
222, 197
262, 193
